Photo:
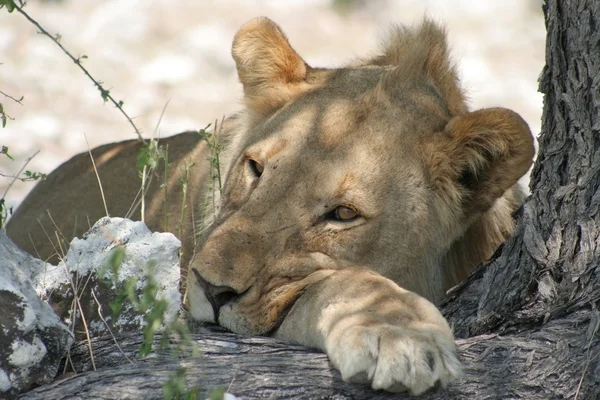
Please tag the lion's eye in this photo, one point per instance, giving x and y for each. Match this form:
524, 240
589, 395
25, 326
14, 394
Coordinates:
343, 213
256, 168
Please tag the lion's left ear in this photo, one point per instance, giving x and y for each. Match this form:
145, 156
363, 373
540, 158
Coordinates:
478, 156
271, 72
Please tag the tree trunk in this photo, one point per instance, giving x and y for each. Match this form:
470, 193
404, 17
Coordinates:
527, 323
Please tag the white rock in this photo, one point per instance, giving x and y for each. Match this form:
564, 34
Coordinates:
90, 254
32, 338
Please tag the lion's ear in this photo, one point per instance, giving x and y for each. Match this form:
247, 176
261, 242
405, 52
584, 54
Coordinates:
478, 156
271, 72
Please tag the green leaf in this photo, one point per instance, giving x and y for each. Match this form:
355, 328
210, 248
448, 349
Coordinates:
145, 349
104, 93
4, 151
10, 5
142, 160
114, 261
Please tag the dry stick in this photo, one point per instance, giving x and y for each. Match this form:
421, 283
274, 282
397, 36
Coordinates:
166, 191
70, 360
74, 227
213, 151
59, 231
37, 253
184, 278
108, 327
49, 239
143, 208
19, 173
149, 171
237, 367
83, 321
104, 93
137, 200
97, 176
134, 204
218, 151
162, 114
184, 200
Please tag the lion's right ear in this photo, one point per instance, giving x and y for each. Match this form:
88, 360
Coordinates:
271, 72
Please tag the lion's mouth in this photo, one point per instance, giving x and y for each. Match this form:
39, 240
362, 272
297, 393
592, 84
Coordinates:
217, 296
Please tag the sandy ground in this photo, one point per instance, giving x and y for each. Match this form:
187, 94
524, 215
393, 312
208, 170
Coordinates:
149, 53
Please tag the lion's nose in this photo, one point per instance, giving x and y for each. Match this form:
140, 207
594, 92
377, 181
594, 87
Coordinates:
216, 295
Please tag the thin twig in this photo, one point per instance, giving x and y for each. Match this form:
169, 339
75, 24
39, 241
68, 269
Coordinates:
97, 176
137, 200
134, 204
58, 231
108, 327
237, 367
83, 321
62, 251
19, 101
37, 253
217, 144
104, 93
166, 189
49, 240
162, 114
143, 208
19, 173
74, 228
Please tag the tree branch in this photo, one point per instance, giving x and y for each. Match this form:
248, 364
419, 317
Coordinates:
106, 96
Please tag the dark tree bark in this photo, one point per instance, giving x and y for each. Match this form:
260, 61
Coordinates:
527, 323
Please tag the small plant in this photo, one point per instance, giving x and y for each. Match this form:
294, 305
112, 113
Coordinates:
146, 303
215, 181
185, 168
4, 117
147, 162
215, 147
23, 175
142, 300
154, 310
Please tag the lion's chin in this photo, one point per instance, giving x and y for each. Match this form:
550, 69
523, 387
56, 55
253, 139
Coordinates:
199, 306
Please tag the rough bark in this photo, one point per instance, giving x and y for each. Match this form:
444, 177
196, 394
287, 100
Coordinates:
497, 367
528, 322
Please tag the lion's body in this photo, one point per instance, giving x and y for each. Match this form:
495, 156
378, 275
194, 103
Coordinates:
350, 197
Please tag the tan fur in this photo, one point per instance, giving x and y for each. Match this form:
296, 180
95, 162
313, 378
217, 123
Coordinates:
390, 137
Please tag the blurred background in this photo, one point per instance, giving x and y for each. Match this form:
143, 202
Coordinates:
148, 53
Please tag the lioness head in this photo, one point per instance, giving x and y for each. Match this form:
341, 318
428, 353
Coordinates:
379, 164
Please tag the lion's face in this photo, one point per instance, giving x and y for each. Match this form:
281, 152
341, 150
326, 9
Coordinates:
359, 166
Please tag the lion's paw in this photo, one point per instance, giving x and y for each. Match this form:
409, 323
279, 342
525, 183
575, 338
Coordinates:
394, 358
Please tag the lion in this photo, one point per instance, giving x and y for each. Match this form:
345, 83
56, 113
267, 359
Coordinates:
352, 199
